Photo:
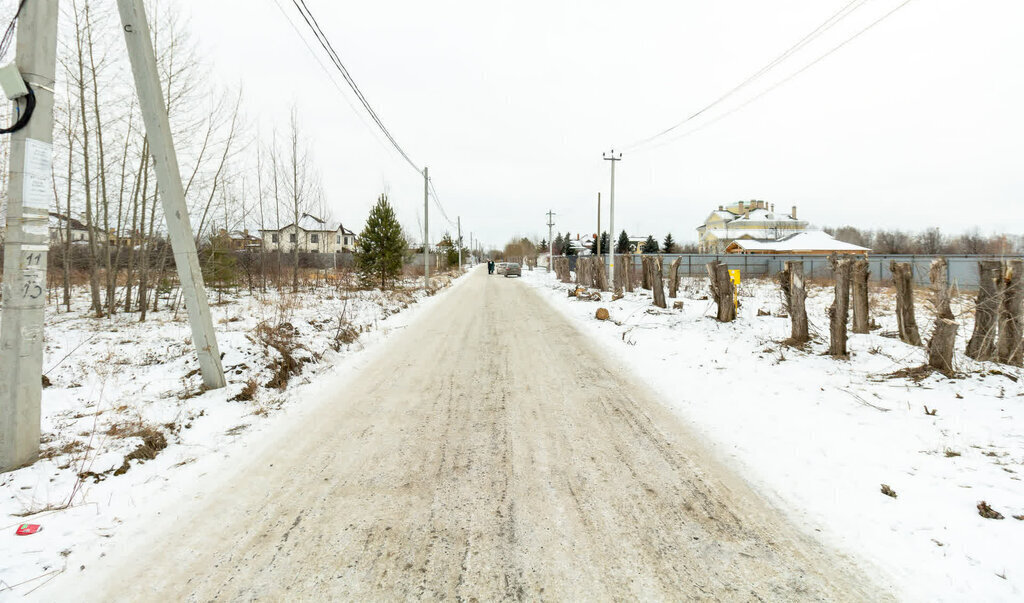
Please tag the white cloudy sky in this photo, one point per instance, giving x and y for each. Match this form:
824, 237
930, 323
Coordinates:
917, 122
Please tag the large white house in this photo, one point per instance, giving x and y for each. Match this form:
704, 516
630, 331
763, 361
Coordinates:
750, 220
311, 234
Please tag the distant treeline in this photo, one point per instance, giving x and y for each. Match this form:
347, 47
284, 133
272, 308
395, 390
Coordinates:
929, 241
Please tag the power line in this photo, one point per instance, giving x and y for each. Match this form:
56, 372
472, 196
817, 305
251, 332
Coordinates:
5, 42
785, 80
325, 43
828, 24
330, 77
310, 19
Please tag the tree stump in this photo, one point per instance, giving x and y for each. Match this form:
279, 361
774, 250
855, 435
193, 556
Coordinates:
903, 279
982, 345
600, 274
627, 272
657, 285
839, 311
941, 345
562, 270
940, 288
796, 306
721, 290
1011, 323
673, 277
861, 311
645, 274
621, 276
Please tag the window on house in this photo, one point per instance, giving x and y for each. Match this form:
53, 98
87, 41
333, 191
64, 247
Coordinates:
338, 239
291, 238
273, 238
314, 238
348, 240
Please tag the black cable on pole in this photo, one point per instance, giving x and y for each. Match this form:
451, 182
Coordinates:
30, 106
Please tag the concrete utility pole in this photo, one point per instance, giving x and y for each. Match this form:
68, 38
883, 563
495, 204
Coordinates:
597, 245
172, 194
458, 221
551, 244
611, 220
29, 195
426, 229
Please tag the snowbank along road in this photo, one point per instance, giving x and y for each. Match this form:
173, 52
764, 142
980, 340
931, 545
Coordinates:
489, 454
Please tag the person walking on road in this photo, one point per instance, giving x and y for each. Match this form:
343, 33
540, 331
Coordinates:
490, 266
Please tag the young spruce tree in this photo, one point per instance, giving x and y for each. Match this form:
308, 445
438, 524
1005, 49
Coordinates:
669, 246
650, 245
622, 246
381, 247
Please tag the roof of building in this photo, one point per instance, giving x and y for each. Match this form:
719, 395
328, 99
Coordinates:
811, 240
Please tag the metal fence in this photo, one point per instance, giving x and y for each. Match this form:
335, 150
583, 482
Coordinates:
962, 270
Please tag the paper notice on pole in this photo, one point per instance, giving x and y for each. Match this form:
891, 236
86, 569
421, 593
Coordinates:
38, 189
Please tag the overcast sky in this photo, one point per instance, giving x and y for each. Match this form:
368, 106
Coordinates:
918, 122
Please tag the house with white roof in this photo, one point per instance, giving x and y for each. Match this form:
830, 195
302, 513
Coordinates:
811, 242
746, 220
311, 234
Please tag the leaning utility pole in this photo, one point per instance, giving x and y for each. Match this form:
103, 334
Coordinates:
611, 221
426, 230
29, 195
551, 244
172, 194
458, 220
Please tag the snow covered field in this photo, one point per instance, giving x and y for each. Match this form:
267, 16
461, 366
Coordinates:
820, 436
127, 427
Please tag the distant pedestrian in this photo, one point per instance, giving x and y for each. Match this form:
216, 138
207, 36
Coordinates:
490, 266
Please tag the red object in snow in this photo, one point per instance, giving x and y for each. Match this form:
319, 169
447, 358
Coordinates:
27, 529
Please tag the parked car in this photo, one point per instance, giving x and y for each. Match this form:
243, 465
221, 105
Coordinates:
513, 269
499, 268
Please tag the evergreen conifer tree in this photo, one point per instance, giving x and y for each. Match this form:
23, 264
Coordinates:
381, 247
622, 246
567, 248
669, 245
604, 242
650, 245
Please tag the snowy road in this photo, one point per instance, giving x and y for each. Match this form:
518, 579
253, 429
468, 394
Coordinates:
488, 454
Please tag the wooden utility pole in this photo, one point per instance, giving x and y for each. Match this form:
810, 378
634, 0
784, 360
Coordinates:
29, 195
458, 221
172, 194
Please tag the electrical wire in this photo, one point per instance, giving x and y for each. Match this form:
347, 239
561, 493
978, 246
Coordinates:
321, 37
331, 78
325, 43
845, 11
785, 80
5, 41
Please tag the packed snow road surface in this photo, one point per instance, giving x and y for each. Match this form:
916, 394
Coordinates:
488, 454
